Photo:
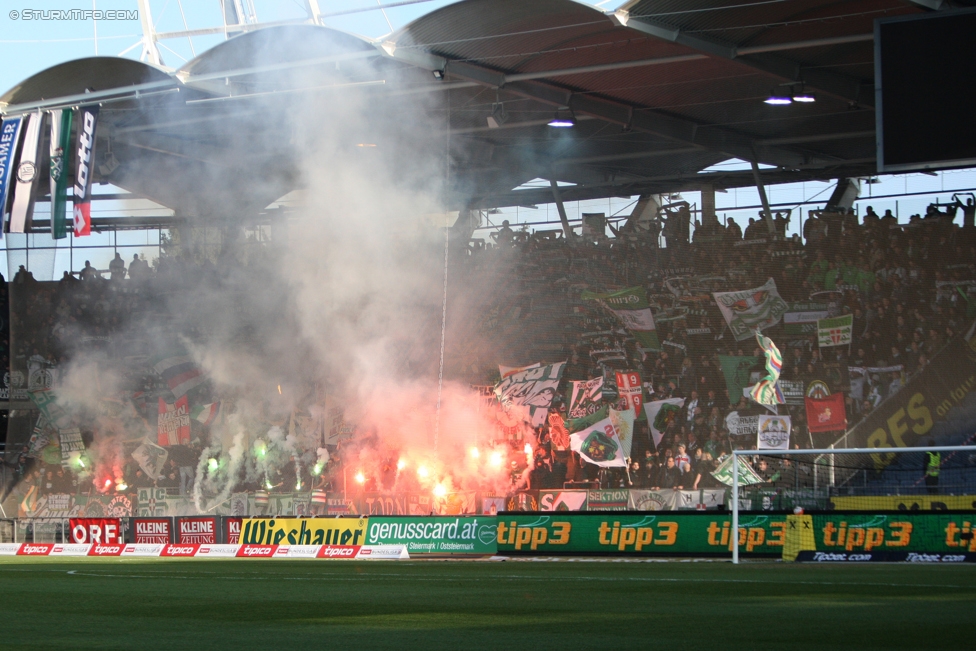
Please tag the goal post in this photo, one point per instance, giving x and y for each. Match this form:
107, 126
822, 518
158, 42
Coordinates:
849, 501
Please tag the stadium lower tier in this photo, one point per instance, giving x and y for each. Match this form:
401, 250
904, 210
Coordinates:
934, 536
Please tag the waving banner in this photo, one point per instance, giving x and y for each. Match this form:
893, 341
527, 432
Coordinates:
660, 414
623, 423
599, 445
774, 433
767, 391
631, 391
836, 331
631, 307
529, 393
585, 397
750, 310
826, 415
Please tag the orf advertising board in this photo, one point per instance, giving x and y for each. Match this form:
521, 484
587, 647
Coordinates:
152, 531
96, 530
197, 531
472, 535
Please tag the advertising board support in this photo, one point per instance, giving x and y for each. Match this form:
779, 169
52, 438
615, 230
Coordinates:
735, 507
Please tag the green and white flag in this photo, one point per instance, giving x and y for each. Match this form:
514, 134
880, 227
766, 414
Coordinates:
60, 143
750, 310
747, 475
529, 394
836, 331
599, 445
585, 397
631, 307
623, 422
660, 414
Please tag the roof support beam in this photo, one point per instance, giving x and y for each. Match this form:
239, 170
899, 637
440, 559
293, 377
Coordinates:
840, 86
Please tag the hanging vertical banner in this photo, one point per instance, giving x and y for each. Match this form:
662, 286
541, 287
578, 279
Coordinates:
9, 132
20, 212
585, 397
630, 390
774, 433
660, 414
60, 142
84, 169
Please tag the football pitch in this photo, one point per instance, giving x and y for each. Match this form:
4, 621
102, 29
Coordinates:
519, 604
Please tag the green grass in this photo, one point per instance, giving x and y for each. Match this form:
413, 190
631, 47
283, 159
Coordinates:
270, 605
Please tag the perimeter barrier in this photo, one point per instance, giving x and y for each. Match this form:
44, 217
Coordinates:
915, 536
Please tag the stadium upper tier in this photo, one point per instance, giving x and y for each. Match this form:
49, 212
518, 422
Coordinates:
658, 91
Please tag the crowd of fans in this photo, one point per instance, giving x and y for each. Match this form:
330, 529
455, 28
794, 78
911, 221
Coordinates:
900, 281
522, 297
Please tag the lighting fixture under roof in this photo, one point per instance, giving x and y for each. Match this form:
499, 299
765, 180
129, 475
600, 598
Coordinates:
563, 120
778, 100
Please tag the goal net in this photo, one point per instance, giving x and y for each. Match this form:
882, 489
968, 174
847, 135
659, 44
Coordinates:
859, 504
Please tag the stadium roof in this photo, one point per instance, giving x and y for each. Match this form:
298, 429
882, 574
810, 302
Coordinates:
659, 90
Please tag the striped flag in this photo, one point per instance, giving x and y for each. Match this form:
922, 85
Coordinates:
206, 414
767, 391
60, 142
179, 371
26, 174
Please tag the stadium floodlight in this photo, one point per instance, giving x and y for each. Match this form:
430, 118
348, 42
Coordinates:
871, 480
566, 120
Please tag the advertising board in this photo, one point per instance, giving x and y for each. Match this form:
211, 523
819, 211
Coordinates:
437, 535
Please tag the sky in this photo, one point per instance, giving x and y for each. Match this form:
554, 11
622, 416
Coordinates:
28, 46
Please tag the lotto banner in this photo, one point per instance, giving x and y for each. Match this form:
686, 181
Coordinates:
303, 531
424, 535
